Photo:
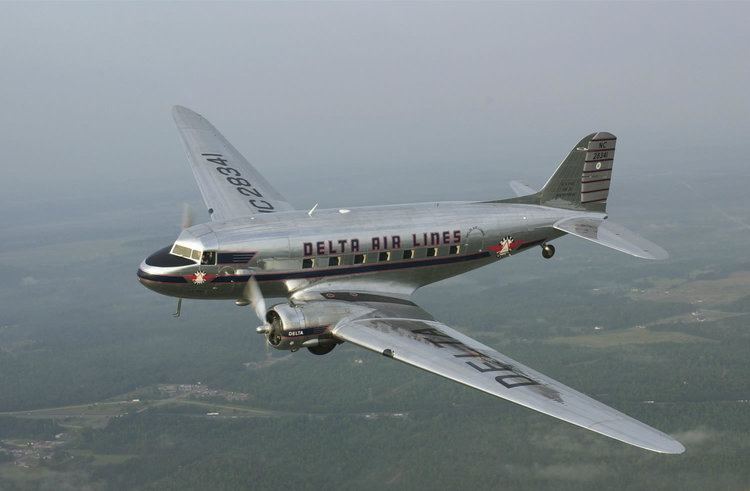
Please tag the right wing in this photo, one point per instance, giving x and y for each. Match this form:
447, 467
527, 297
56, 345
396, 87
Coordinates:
399, 329
612, 235
230, 186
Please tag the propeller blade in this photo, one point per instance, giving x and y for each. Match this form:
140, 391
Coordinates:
187, 216
253, 295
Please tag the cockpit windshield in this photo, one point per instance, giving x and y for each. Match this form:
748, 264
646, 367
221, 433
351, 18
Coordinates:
164, 259
202, 257
186, 252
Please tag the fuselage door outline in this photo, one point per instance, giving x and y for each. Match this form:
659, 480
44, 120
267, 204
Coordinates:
474, 241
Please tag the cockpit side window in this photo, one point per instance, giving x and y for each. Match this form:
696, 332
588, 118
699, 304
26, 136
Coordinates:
208, 258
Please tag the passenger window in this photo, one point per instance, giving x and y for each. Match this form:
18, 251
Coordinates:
359, 259
408, 254
384, 256
334, 261
432, 252
307, 263
208, 258
454, 249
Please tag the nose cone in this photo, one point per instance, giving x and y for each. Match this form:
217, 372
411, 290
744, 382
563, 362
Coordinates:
167, 273
161, 271
163, 259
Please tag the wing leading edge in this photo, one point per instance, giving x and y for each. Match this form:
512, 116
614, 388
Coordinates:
230, 186
418, 340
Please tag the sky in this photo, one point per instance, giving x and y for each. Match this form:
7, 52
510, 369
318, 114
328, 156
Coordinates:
460, 97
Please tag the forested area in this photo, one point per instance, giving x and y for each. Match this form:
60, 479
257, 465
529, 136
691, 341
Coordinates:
84, 350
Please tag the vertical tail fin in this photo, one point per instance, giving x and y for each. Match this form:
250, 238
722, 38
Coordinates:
581, 182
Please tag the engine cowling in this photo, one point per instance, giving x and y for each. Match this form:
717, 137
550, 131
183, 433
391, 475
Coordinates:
292, 327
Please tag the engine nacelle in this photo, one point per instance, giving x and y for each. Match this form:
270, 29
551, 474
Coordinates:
302, 326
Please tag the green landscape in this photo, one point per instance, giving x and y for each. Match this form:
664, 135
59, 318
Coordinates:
346, 104
101, 388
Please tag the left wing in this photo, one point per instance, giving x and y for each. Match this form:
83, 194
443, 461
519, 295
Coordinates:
230, 186
399, 329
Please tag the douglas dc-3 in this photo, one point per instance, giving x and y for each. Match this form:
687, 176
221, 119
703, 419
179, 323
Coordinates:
348, 274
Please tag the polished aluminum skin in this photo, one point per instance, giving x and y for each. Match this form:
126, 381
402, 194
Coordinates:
347, 274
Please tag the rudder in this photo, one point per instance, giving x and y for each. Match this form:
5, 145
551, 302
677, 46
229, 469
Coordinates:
582, 179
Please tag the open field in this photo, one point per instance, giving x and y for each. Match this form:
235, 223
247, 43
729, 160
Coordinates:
699, 292
146, 401
609, 339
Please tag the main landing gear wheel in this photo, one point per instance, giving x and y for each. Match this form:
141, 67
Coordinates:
322, 349
548, 250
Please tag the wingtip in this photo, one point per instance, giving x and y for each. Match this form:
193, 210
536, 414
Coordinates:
656, 253
672, 447
181, 111
187, 118
638, 434
658, 442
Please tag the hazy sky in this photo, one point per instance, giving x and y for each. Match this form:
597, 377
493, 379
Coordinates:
311, 89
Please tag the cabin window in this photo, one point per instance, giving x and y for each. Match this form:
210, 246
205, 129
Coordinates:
432, 252
334, 261
454, 249
359, 259
196, 254
307, 263
384, 256
408, 254
208, 258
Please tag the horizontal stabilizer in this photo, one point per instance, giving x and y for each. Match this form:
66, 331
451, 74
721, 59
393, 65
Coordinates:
521, 189
611, 235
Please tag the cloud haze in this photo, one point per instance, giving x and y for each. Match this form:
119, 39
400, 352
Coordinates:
302, 87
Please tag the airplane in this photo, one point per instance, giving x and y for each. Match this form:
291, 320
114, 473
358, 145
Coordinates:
348, 274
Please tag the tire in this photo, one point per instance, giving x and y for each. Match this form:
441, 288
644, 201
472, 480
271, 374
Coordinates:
548, 250
322, 349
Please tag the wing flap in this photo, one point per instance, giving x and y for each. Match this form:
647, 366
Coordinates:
432, 346
230, 186
611, 235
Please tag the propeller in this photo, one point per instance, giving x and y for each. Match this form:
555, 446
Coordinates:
254, 297
187, 216
186, 222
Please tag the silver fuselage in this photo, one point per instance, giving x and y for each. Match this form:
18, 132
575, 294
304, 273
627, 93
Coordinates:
290, 251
